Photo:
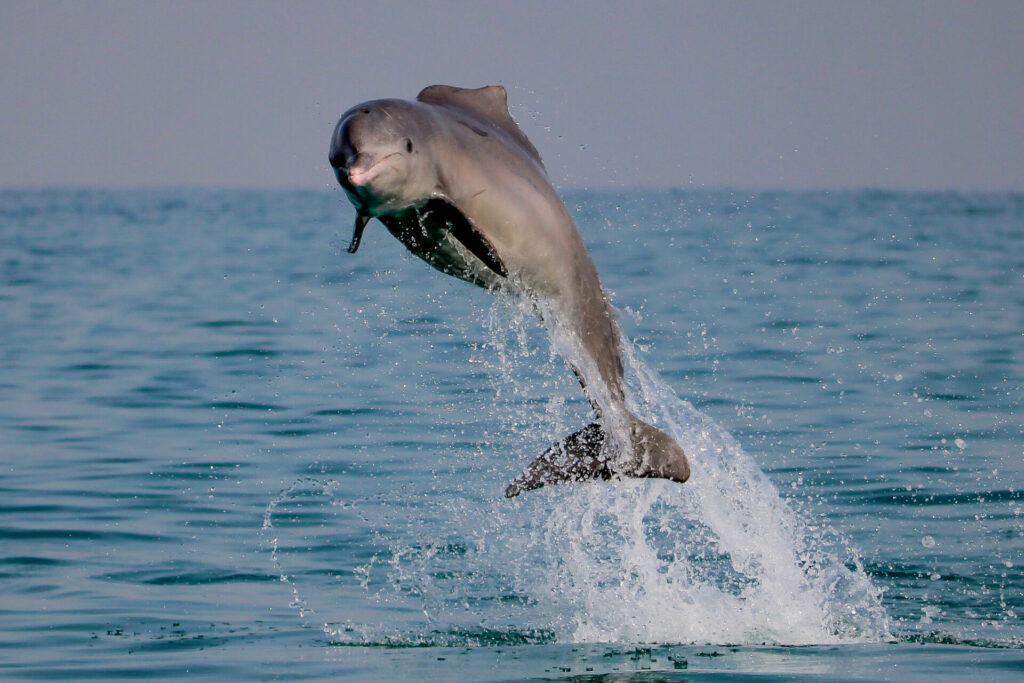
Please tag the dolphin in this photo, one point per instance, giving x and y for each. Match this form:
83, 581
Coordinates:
453, 177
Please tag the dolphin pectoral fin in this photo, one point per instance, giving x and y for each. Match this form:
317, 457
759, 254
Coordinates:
578, 457
468, 235
357, 232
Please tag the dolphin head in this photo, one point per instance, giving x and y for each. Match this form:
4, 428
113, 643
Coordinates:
377, 155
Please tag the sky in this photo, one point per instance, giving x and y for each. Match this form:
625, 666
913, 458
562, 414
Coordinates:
759, 95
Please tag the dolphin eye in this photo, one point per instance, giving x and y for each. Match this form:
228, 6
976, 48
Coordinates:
408, 145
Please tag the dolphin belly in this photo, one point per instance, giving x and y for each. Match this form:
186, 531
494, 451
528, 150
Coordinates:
442, 236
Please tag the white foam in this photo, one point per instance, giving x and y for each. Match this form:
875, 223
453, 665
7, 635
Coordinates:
721, 559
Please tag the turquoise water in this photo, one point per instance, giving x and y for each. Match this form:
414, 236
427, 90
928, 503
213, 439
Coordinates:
229, 448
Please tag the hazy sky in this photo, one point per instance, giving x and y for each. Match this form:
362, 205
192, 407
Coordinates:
753, 95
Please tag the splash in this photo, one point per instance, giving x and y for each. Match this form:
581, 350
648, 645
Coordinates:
723, 559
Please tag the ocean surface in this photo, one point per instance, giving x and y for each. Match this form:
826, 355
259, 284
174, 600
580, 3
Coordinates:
231, 450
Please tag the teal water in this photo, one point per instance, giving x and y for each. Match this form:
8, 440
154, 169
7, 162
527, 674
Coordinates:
230, 449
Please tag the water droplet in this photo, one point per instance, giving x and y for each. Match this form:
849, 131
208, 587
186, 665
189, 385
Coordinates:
928, 542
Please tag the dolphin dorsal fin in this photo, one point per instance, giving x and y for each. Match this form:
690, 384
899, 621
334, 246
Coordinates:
489, 103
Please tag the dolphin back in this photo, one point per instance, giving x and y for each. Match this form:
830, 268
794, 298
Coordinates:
489, 103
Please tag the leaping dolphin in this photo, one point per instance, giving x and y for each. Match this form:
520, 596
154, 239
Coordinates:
453, 177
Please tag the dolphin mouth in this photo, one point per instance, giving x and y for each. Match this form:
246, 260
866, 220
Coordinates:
360, 178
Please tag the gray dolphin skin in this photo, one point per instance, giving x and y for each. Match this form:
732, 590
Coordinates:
453, 177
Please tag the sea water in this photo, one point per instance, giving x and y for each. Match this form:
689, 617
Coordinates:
228, 448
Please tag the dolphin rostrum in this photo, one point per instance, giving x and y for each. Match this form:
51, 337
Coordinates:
453, 177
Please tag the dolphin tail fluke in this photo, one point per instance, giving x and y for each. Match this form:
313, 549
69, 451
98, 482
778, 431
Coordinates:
577, 457
656, 454
582, 456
